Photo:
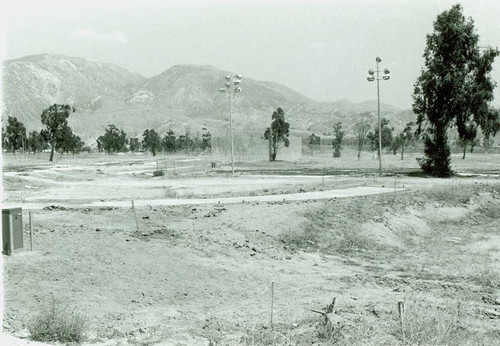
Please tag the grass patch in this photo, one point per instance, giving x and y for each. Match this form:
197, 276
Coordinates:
57, 323
455, 194
170, 193
312, 236
265, 336
432, 323
490, 211
335, 228
486, 277
425, 323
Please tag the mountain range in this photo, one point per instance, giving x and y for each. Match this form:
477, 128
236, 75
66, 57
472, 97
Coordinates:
184, 96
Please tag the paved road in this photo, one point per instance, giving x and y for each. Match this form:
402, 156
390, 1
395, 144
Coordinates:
313, 195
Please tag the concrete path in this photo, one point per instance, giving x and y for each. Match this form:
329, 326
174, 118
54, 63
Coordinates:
313, 195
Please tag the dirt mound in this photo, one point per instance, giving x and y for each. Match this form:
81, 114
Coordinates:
395, 227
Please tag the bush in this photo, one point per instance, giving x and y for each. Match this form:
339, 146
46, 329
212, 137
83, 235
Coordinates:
158, 173
57, 323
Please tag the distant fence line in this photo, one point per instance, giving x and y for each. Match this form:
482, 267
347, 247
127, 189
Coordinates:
251, 148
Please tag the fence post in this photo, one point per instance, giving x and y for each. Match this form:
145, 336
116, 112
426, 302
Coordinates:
135, 216
272, 302
31, 234
401, 311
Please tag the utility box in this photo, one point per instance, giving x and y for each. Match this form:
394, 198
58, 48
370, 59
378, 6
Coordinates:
12, 230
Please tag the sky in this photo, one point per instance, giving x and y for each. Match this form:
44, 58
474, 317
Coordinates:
322, 49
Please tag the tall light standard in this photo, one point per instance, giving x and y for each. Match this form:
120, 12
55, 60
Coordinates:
228, 89
371, 77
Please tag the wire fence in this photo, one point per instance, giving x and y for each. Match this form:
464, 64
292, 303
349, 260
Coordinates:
252, 148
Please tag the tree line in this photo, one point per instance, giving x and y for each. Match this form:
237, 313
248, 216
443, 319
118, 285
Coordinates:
277, 135
366, 134
57, 135
115, 140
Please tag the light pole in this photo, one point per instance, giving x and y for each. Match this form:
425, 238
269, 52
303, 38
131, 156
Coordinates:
229, 90
371, 78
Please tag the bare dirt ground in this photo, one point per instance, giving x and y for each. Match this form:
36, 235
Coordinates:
201, 274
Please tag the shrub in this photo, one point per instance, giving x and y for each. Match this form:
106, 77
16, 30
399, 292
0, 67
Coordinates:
57, 323
158, 173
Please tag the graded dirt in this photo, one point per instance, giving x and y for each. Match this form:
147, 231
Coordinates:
202, 274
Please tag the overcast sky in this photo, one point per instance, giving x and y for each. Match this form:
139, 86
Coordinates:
322, 49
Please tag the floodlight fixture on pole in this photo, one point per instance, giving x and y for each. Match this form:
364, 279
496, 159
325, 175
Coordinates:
236, 81
372, 76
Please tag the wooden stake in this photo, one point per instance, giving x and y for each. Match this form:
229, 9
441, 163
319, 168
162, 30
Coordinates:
272, 302
31, 234
135, 216
401, 311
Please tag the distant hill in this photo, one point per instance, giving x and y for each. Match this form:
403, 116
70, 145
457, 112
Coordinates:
32, 83
184, 96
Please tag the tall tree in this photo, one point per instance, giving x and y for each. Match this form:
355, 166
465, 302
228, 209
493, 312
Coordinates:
188, 145
4, 138
337, 141
313, 142
69, 142
15, 134
181, 142
55, 120
361, 128
35, 142
64, 142
114, 140
278, 133
169, 141
490, 127
206, 140
151, 141
468, 138
454, 88
76, 144
405, 138
386, 135
134, 144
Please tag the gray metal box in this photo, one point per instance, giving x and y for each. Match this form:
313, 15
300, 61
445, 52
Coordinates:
12, 230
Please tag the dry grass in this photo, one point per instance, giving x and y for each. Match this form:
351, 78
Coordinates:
425, 323
432, 323
57, 323
330, 228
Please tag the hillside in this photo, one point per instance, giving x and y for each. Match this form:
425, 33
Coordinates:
184, 96
32, 83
